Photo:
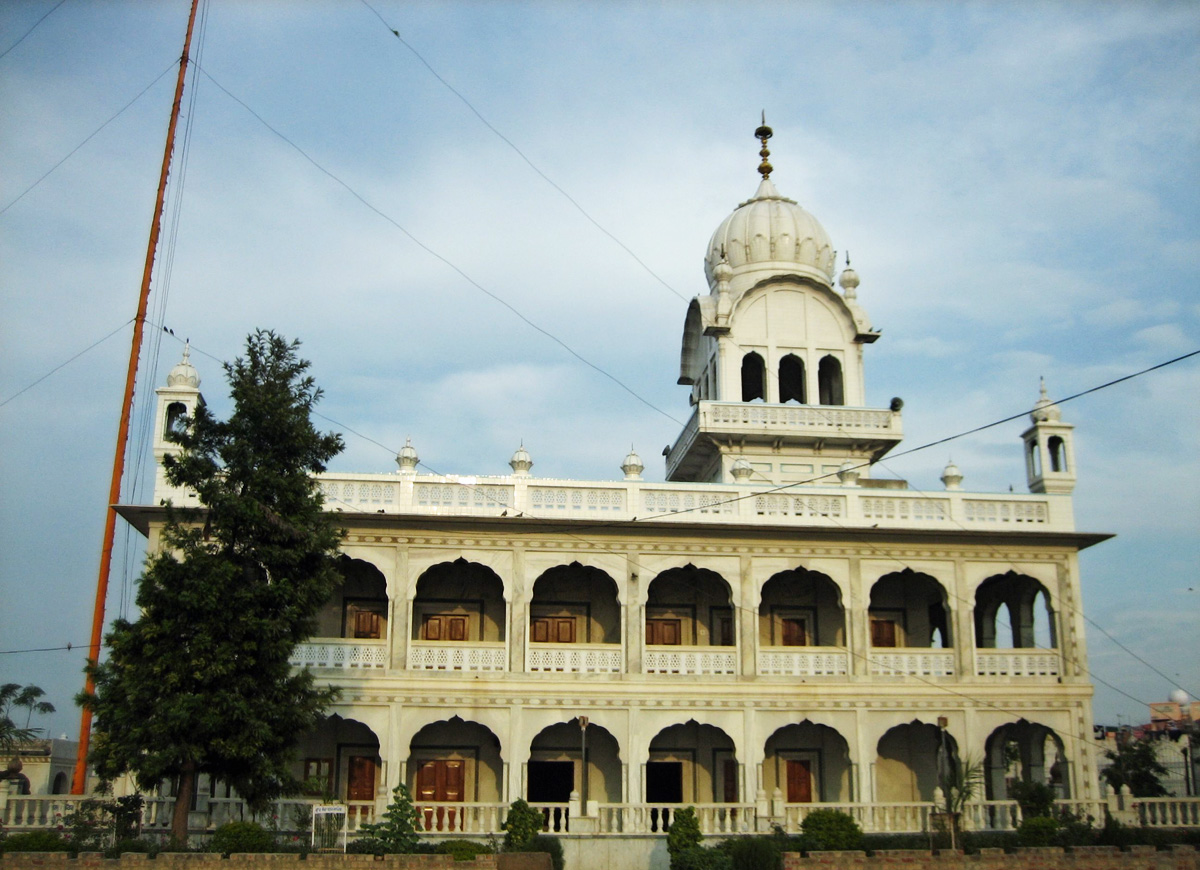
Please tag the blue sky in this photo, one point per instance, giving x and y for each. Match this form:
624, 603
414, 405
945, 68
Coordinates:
1016, 183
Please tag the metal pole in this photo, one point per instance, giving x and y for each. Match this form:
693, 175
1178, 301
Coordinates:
79, 780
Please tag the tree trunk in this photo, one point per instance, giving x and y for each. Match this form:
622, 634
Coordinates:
183, 803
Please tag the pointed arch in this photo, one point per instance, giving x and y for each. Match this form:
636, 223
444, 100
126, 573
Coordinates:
792, 386
829, 381
753, 377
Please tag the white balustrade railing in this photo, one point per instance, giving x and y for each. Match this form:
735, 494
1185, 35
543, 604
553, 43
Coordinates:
692, 661
479, 656
443, 817
803, 662
1168, 812
39, 811
578, 658
557, 817
1017, 663
911, 662
341, 654
811, 505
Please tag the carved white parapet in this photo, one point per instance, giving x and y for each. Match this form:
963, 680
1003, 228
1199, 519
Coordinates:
480, 656
335, 653
575, 658
699, 661
912, 662
803, 662
1017, 663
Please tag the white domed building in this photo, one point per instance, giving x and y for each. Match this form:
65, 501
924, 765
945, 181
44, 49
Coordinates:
771, 629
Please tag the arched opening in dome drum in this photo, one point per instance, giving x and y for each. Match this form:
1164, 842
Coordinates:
1058, 453
1035, 460
791, 380
753, 377
176, 411
829, 381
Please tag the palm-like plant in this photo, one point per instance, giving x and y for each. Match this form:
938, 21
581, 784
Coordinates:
14, 695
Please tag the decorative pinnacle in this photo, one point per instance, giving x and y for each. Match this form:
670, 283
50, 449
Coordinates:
764, 133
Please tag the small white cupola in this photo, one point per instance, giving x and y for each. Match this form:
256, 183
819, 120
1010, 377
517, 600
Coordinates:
176, 402
521, 462
1049, 448
407, 458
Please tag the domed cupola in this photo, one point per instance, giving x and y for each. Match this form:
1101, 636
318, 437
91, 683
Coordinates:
770, 234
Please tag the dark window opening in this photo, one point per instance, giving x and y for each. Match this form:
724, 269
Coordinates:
829, 381
753, 377
791, 380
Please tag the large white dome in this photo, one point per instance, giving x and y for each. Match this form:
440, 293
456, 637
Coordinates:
770, 233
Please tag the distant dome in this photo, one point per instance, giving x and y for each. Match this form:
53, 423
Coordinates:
1044, 410
770, 232
184, 374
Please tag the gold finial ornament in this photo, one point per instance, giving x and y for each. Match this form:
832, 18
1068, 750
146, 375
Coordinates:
764, 133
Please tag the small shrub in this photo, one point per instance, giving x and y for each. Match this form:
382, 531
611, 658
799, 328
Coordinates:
684, 832
830, 830
699, 858
131, 844
545, 843
1034, 798
1038, 831
234, 837
398, 831
462, 850
522, 824
36, 841
1074, 830
753, 853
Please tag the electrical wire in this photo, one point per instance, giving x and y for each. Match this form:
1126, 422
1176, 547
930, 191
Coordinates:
89, 138
30, 30
65, 363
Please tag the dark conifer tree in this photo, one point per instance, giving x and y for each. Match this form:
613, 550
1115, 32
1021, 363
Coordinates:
200, 683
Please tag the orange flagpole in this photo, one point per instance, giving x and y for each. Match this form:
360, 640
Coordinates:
79, 781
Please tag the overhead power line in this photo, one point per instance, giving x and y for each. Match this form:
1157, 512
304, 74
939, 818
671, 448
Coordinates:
30, 30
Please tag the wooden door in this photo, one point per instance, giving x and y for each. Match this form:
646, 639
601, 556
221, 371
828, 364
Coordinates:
367, 625
795, 632
553, 629
883, 632
361, 779
663, 632
440, 781
799, 782
729, 773
444, 627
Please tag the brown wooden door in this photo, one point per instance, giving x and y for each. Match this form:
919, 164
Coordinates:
440, 781
883, 632
663, 632
553, 629
730, 775
724, 631
361, 780
444, 627
799, 782
367, 625
794, 632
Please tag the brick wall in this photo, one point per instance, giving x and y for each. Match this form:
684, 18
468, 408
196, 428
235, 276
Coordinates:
1081, 858
204, 861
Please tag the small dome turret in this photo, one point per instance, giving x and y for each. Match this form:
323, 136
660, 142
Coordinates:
632, 465
951, 477
742, 470
1044, 410
848, 280
407, 458
521, 461
184, 374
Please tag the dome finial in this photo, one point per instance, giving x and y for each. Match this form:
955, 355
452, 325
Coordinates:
764, 133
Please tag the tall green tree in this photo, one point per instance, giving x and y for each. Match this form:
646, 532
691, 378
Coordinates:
15, 695
1135, 764
200, 683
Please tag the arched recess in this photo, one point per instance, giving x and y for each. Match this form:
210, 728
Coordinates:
692, 764
792, 386
1020, 601
829, 381
358, 607
556, 764
912, 760
808, 763
753, 377
453, 761
1025, 751
1057, 450
909, 609
174, 422
689, 606
801, 608
339, 759
61, 784
574, 604
459, 602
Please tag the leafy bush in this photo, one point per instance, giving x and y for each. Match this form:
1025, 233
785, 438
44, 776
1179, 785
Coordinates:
753, 853
462, 850
397, 833
551, 846
830, 830
1034, 798
699, 858
1038, 831
36, 841
684, 832
522, 824
120, 847
234, 837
